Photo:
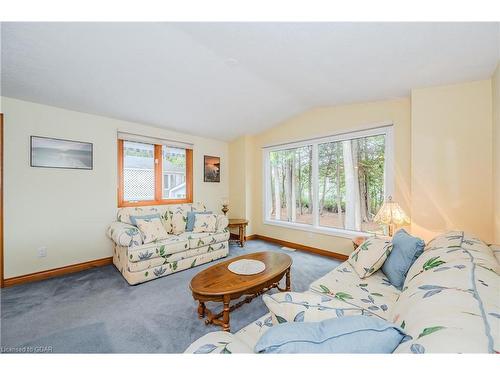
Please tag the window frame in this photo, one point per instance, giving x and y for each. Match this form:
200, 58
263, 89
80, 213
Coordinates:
315, 227
158, 173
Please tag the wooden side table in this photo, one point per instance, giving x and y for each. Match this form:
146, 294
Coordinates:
241, 224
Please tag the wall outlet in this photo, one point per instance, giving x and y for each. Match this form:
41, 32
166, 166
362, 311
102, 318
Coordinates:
42, 252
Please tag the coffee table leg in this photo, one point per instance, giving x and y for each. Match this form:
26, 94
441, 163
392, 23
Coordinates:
201, 309
225, 315
288, 282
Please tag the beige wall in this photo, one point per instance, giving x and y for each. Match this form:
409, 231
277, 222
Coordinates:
443, 159
323, 122
68, 210
241, 181
496, 152
452, 159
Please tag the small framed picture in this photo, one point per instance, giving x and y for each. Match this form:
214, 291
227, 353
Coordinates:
60, 153
211, 169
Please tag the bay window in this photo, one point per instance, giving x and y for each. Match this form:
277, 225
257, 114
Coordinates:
334, 184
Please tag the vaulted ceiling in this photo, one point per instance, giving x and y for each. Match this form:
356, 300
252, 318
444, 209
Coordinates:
223, 80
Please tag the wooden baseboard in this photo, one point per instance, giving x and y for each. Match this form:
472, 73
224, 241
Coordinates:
235, 237
42, 275
298, 246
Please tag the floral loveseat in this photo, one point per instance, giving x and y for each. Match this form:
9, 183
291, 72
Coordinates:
139, 262
450, 301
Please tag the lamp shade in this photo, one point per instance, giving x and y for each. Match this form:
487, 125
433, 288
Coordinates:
391, 213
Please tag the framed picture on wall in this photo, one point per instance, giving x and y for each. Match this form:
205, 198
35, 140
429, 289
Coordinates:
60, 153
211, 169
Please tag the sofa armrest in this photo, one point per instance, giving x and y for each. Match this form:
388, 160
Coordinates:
124, 234
219, 342
222, 223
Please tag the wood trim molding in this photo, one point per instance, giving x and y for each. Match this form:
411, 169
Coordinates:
298, 246
42, 275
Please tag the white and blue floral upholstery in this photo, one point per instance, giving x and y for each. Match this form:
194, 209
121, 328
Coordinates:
170, 245
305, 307
139, 261
370, 256
166, 268
201, 239
451, 298
151, 229
373, 295
450, 302
124, 234
496, 251
219, 342
205, 223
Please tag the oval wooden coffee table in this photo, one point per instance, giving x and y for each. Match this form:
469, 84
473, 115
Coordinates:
218, 284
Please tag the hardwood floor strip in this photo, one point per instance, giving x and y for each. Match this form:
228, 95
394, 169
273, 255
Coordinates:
298, 246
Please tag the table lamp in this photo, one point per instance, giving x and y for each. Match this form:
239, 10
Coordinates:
225, 205
392, 215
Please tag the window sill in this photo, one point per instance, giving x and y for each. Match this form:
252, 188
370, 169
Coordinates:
334, 232
154, 203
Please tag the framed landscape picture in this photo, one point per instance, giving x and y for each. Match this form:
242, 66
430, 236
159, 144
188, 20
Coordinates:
211, 169
60, 153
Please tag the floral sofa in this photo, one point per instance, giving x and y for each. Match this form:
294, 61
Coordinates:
450, 301
139, 262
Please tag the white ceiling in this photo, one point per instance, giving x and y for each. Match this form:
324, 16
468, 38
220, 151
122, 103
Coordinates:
182, 76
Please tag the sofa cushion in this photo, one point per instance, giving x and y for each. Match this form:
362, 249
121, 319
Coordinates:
168, 268
304, 307
352, 334
251, 333
171, 245
406, 249
201, 239
370, 255
450, 299
374, 295
158, 261
219, 342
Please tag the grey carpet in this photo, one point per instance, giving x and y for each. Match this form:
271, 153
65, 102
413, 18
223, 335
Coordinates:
96, 311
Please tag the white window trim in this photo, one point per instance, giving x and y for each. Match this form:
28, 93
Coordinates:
386, 130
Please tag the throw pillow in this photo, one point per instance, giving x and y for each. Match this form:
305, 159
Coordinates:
205, 223
405, 251
351, 334
302, 307
369, 256
190, 219
134, 218
176, 218
151, 229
